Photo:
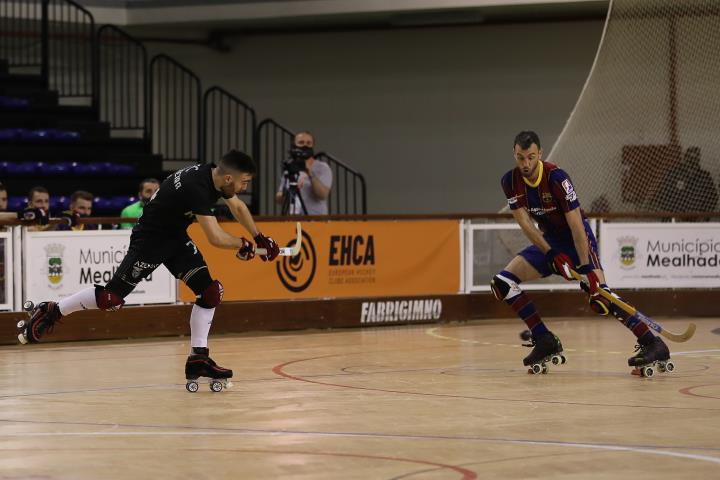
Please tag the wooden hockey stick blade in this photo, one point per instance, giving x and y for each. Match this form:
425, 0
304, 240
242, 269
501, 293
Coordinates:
287, 251
629, 309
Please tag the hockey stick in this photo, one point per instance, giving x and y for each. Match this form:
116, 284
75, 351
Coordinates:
629, 309
287, 251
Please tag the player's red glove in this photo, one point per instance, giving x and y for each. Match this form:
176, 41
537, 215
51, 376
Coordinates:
35, 215
270, 246
247, 251
592, 279
559, 263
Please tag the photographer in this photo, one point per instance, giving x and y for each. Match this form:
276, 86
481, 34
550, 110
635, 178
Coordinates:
310, 178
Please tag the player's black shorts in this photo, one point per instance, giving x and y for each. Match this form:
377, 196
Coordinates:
147, 252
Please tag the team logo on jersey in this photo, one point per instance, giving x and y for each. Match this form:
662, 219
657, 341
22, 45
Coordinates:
628, 247
547, 197
570, 194
297, 273
54, 253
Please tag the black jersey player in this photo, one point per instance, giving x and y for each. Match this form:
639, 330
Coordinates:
541, 192
160, 237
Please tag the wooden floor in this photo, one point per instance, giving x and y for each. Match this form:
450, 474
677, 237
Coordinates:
421, 402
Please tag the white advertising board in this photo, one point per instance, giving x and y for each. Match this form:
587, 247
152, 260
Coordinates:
6, 270
58, 264
661, 255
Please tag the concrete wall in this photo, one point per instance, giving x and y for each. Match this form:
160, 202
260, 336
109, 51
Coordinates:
428, 115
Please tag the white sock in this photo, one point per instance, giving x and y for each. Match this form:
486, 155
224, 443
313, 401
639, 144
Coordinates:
82, 300
200, 323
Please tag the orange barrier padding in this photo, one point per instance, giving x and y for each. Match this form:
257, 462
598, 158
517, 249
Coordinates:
341, 259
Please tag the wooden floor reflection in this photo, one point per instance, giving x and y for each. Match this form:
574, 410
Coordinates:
418, 402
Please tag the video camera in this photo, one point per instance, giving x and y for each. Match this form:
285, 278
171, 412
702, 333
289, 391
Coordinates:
296, 163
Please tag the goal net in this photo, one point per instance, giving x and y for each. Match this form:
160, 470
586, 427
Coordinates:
645, 132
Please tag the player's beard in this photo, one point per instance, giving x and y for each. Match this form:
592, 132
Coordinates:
530, 172
227, 191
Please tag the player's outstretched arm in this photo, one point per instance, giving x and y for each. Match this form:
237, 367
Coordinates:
216, 235
242, 214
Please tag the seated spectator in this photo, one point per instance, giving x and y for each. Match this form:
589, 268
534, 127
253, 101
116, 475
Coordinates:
147, 189
39, 198
314, 180
81, 203
36, 215
688, 187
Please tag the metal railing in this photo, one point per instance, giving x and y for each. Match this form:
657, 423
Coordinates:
23, 33
175, 110
348, 194
272, 144
67, 63
122, 81
228, 123
71, 53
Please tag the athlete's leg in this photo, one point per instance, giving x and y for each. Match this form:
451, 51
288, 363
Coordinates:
137, 264
189, 266
527, 265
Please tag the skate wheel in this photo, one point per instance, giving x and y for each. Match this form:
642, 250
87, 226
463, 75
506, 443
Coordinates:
228, 384
191, 387
563, 360
545, 369
647, 372
21, 324
555, 360
28, 306
216, 386
661, 367
22, 339
669, 366
536, 368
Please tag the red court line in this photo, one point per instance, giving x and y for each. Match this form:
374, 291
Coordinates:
688, 390
466, 474
279, 370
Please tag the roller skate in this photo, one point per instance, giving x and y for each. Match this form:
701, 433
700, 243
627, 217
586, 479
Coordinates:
654, 355
43, 317
546, 349
199, 364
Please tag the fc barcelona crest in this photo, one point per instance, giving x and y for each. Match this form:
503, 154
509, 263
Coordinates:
54, 253
547, 197
628, 251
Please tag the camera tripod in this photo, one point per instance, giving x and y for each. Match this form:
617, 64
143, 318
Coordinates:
292, 196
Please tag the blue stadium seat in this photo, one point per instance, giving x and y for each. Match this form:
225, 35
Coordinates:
21, 169
16, 203
58, 169
12, 102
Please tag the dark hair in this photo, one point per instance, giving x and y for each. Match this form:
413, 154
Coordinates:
526, 138
37, 189
238, 161
81, 194
3, 188
147, 180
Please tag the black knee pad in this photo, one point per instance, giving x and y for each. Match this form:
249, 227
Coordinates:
211, 296
503, 287
108, 299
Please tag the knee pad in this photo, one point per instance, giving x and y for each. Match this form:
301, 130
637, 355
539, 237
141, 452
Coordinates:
504, 288
211, 296
107, 299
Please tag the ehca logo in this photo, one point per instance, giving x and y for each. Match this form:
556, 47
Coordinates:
296, 273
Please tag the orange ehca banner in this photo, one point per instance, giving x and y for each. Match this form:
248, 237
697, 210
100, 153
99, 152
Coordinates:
341, 259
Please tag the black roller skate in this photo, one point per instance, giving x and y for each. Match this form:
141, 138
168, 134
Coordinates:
43, 317
654, 355
546, 349
199, 364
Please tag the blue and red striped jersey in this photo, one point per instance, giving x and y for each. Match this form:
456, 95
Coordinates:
546, 200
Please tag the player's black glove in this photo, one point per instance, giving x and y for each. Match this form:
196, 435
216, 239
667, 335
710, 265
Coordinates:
247, 251
270, 246
70, 217
35, 215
